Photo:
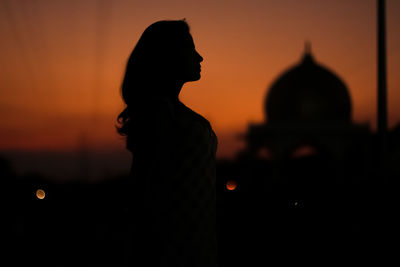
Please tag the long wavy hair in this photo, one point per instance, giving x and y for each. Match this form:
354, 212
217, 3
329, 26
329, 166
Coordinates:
151, 65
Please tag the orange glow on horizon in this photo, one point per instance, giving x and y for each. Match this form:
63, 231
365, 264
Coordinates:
61, 74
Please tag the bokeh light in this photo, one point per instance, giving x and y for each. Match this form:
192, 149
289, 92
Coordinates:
40, 194
231, 185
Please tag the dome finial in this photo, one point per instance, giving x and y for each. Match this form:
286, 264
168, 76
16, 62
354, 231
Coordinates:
307, 47
307, 57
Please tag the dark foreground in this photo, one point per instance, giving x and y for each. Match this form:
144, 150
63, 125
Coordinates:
90, 224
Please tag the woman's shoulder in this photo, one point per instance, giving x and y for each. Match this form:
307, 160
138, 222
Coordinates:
193, 115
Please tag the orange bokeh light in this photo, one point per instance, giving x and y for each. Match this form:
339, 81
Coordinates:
40, 194
231, 185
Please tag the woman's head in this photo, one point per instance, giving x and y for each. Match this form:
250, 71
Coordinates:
163, 59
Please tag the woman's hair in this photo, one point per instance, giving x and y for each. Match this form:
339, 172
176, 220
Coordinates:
151, 64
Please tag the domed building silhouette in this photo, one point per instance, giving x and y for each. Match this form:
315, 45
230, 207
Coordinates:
308, 116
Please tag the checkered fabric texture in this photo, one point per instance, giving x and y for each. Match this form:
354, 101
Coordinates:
175, 184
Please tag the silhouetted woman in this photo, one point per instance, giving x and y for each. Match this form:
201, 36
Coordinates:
173, 151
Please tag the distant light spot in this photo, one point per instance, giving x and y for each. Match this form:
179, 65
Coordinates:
264, 153
296, 203
40, 194
231, 185
304, 151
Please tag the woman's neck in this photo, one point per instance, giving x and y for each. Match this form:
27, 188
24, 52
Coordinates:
173, 90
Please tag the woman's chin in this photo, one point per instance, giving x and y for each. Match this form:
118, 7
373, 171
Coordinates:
196, 77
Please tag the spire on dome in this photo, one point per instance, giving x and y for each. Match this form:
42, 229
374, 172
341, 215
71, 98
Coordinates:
307, 56
307, 47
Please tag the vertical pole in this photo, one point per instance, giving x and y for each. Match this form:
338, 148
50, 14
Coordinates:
382, 91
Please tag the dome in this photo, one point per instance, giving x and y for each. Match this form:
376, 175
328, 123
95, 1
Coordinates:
308, 93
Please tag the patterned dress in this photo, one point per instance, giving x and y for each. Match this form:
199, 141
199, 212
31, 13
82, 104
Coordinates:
174, 178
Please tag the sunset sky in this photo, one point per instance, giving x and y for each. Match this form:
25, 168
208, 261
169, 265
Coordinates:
62, 62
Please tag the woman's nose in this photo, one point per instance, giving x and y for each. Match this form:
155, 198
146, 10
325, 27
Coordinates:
199, 57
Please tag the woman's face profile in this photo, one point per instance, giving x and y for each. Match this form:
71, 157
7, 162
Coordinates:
190, 60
